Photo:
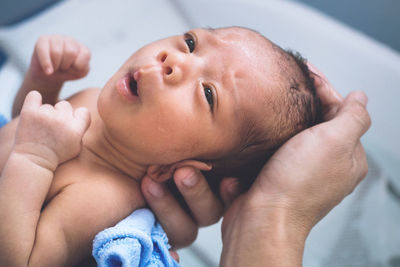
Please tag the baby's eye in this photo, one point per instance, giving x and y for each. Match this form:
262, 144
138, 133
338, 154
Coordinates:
208, 92
191, 44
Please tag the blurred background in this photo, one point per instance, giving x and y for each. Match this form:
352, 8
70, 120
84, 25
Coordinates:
356, 43
378, 19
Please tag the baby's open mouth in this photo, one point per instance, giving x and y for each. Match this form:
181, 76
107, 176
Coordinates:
133, 85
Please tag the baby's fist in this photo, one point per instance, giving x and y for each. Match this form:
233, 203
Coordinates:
59, 58
50, 134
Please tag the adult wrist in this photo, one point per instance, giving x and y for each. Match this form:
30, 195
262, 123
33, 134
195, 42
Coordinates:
264, 235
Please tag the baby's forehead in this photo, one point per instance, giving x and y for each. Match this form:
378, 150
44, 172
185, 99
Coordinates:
233, 30
241, 33
256, 48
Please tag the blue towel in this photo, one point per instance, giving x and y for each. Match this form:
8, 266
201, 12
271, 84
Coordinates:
3, 120
137, 240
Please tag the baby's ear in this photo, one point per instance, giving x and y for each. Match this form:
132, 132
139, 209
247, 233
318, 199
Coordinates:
164, 172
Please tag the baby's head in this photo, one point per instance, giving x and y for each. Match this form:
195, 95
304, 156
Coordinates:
226, 98
289, 105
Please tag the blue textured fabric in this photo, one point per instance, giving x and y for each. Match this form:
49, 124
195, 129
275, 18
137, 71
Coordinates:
137, 240
3, 120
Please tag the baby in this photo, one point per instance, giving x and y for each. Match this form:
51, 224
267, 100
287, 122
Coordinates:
217, 100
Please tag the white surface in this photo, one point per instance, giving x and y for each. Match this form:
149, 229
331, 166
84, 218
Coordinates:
349, 59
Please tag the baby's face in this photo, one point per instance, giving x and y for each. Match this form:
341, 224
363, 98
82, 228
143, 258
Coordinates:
187, 97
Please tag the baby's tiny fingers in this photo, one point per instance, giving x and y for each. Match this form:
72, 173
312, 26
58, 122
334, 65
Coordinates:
42, 49
82, 60
64, 106
56, 51
71, 50
33, 100
83, 116
46, 109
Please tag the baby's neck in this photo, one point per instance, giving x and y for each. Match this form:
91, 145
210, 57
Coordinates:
106, 151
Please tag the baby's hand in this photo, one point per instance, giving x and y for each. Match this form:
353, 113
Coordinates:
59, 58
50, 135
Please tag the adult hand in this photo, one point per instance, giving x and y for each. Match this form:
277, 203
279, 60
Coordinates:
205, 207
300, 184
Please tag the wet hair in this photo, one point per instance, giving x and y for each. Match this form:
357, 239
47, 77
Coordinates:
298, 109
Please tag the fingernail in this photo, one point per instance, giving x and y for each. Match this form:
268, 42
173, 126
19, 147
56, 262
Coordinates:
361, 97
191, 179
156, 190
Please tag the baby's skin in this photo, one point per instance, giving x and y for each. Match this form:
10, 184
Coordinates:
43, 140
181, 111
56, 195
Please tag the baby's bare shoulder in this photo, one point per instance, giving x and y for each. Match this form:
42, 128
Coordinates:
97, 183
87, 199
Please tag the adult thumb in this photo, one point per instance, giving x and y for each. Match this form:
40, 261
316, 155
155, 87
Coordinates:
353, 119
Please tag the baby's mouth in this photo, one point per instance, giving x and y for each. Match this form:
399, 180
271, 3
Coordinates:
133, 85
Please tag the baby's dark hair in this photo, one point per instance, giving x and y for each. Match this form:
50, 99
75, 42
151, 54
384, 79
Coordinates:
299, 109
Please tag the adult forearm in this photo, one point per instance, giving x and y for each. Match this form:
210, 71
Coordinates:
49, 90
24, 184
277, 242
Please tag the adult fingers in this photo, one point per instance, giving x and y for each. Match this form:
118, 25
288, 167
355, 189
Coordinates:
353, 119
322, 82
205, 207
178, 225
174, 255
330, 98
229, 190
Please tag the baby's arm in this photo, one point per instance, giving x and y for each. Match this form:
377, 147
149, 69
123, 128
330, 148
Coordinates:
56, 59
43, 140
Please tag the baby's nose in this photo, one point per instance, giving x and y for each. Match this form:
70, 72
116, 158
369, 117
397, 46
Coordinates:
173, 66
